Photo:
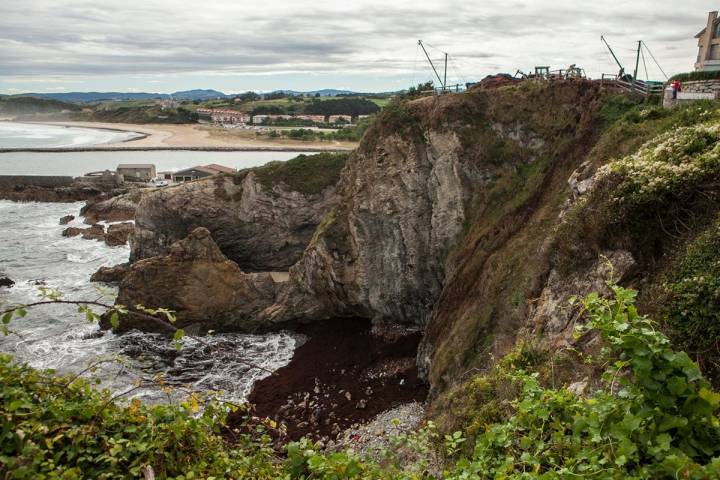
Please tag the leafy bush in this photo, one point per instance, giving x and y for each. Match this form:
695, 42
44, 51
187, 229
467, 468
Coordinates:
693, 76
694, 297
62, 428
656, 416
668, 167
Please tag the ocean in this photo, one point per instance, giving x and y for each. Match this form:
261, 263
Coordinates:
34, 254
30, 135
27, 135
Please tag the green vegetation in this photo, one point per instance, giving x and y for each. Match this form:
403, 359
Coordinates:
147, 114
62, 428
693, 309
644, 197
33, 105
654, 415
338, 106
419, 91
280, 104
672, 166
307, 174
651, 415
692, 76
349, 134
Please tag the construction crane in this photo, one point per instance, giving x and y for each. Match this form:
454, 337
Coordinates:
443, 81
621, 73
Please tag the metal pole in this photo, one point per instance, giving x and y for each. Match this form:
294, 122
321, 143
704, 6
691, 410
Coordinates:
445, 74
637, 61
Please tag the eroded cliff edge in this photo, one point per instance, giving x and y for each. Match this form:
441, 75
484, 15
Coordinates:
471, 217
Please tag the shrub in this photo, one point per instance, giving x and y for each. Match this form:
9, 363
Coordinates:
694, 297
59, 428
693, 76
656, 416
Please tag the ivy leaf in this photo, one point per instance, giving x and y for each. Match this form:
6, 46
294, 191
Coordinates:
114, 321
7, 317
713, 398
179, 334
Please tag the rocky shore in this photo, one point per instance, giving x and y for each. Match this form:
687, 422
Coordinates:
114, 235
5, 282
342, 375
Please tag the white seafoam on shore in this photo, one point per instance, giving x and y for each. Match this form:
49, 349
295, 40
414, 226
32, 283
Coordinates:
33, 135
28, 135
33, 252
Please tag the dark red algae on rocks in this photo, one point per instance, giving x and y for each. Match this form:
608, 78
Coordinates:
342, 375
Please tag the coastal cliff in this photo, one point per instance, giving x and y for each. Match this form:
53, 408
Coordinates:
259, 220
472, 218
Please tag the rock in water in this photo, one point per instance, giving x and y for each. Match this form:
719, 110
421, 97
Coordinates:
116, 209
72, 232
118, 234
205, 289
111, 274
6, 282
95, 232
67, 219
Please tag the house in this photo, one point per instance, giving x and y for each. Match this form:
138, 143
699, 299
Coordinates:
259, 118
136, 171
340, 119
229, 116
312, 118
709, 45
201, 171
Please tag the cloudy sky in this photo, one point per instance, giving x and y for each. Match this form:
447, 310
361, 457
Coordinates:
363, 45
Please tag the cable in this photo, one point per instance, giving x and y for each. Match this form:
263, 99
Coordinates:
656, 62
417, 48
642, 54
456, 69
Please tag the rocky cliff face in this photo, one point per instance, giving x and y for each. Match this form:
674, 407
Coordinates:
260, 227
410, 193
197, 281
473, 217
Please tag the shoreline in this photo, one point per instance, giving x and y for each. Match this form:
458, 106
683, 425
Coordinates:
247, 148
191, 137
341, 376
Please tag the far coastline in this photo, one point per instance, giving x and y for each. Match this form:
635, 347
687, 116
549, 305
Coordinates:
189, 137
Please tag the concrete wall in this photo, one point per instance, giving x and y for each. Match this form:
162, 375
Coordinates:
692, 91
36, 180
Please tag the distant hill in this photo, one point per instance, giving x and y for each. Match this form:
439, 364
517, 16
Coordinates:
325, 92
91, 97
192, 95
198, 94
15, 105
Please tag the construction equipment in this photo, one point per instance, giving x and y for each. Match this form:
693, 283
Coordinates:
632, 83
621, 73
443, 81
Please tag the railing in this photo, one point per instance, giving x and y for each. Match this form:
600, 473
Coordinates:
632, 86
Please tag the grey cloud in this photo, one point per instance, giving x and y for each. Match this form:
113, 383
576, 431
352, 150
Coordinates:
83, 38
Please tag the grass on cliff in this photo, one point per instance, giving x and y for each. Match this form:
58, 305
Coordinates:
306, 174
657, 180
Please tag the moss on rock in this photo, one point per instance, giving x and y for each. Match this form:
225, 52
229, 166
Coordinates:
306, 174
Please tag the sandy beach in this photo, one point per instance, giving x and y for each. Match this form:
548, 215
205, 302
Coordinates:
199, 136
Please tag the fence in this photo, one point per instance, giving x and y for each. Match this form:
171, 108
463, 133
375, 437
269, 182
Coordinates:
632, 86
